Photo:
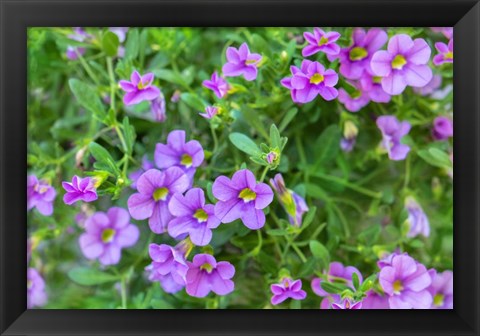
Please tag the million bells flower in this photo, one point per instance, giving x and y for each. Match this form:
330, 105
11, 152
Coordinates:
40, 195
241, 62
139, 88
287, 288
392, 133
320, 41
417, 219
294, 204
205, 274
80, 189
36, 294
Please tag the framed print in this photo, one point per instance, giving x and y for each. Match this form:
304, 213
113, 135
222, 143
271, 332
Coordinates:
202, 161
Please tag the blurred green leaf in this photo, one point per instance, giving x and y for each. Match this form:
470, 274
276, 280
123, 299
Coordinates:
110, 44
87, 97
89, 277
244, 143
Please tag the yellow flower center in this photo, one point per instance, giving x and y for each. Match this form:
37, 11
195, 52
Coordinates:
247, 195
316, 79
347, 304
160, 194
323, 41
140, 85
249, 62
448, 55
200, 215
397, 287
107, 235
377, 79
438, 299
358, 53
398, 62
207, 267
186, 160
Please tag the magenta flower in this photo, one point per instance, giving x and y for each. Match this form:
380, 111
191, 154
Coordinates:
311, 80
210, 112
374, 300
417, 219
168, 261
321, 41
79, 35
445, 53
405, 62
347, 304
442, 128
241, 62
121, 32
441, 290
350, 132
406, 283
217, 84
241, 197
134, 176
139, 88
294, 204
80, 189
40, 195
372, 85
155, 189
205, 274
392, 133
158, 109
355, 59
166, 281
106, 234
431, 86
175, 96
193, 217
336, 272
36, 294
178, 153
446, 31
287, 288
355, 101
387, 259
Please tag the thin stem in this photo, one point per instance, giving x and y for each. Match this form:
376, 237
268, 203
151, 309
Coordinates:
264, 173
361, 190
124, 292
112, 82
300, 253
407, 172
87, 68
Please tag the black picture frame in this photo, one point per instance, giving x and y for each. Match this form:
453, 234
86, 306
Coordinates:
17, 15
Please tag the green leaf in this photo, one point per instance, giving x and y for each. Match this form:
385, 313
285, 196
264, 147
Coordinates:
129, 134
103, 157
132, 44
87, 97
327, 146
244, 143
355, 280
275, 137
277, 232
110, 44
320, 252
89, 277
332, 288
288, 118
436, 157
370, 235
170, 76
309, 217
193, 101
161, 304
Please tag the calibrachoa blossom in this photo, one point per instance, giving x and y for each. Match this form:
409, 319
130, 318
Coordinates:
442, 128
310, 80
193, 217
321, 41
168, 261
158, 109
294, 204
374, 300
80, 189
350, 132
139, 88
355, 59
336, 272
241, 62
36, 294
79, 35
406, 283
210, 112
445, 53
205, 274
166, 281
355, 101
347, 304
287, 288
134, 176
392, 133
155, 189
446, 31
121, 32
441, 290
106, 234
405, 62
431, 86
217, 84
417, 219
40, 195
241, 197
372, 85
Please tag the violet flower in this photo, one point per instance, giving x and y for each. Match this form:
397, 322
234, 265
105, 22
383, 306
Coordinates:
339, 273
405, 62
431, 86
311, 80
168, 261
139, 88
372, 85
442, 128
347, 304
241, 197
446, 31
217, 84
392, 133
80, 189
135, 175
121, 32
350, 132
355, 101
373, 300
158, 109
406, 283
40, 195
417, 219
241, 62
193, 217
210, 112
205, 274
106, 234
287, 288
441, 290
294, 204
321, 41
36, 294
155, 189
175, 96
166, 281
445, 53
79, 35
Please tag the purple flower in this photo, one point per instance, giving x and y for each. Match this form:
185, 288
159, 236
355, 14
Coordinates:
166, 281
80, 189
441, 290
294, 204
445, 53
392, 133
168, 261
355, 59
347, 304
79, 35
106, 234
40, 194
347, 144
446, 31
350, 132
405, 62
417, 219
311, 80
210, 112
241, 62
139, 88
178, 153
406, 283
175, 97
374, 300
442, 128
217, 84
36, 295
287, 288
373, 86
193, 217
134, 176
121, 32
205, 274
321, 41
339, 273
431, 86
155, 189
158, 109
387, 259
355, 101
241, 197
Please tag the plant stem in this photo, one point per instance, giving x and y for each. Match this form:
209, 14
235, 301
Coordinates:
112, 82
87, 68
124, 293
361, 190
264, 173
